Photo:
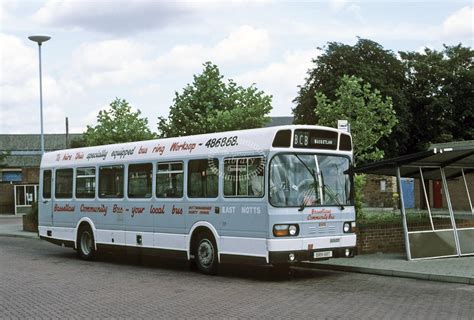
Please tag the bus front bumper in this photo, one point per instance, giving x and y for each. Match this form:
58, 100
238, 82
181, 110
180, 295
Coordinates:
287, 250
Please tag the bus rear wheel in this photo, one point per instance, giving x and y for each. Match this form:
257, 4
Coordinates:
206, 254
85, 244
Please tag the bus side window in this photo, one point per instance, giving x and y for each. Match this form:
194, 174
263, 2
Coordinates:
244, 177
169, 180
63, 185
47, 184
111, 182
203, 178
85, 183
139, 180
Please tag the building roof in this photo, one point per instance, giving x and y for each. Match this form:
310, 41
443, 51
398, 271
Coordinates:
25, 149
279, 121
452, 156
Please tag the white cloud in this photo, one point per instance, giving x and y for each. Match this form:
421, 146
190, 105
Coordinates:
17, 61
125, 61
112, 16
111, 62
338, 4
6, 6
460, 23
19, 89
281, 79
246, 43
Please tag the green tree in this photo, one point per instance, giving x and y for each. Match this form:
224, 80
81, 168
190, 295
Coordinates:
119, 124
369, 61
440, 95
370, 116
211, 105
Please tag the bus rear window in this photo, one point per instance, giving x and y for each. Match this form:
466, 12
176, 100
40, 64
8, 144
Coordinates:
111, 182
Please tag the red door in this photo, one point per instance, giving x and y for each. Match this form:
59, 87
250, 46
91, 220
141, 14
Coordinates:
437, 196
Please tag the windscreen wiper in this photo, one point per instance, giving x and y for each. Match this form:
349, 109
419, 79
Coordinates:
332, 194
315, 181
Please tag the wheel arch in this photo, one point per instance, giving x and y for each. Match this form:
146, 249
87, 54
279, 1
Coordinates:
85, 221
197, 228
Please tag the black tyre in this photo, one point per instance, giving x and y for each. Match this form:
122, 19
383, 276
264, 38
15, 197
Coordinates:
206, 254
85, 244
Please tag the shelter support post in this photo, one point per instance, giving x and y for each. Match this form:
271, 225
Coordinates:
426, 198
404, 216
450, 208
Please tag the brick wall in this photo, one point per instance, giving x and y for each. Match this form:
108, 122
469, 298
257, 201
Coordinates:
6, 198
7, 201
388, 238
30, 175
373, 196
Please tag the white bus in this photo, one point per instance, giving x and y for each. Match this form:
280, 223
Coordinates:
276, 195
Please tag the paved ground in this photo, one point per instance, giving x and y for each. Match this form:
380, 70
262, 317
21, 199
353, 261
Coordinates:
460, 270
41, 280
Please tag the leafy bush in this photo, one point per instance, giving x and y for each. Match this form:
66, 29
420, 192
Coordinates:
359, 183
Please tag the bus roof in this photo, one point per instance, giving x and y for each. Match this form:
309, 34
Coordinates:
251, 141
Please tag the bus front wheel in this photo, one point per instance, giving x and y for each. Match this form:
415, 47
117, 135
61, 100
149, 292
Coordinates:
85, 244
206, 254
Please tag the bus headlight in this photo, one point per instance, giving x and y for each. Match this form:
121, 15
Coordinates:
285, 230
293, 230
347, 227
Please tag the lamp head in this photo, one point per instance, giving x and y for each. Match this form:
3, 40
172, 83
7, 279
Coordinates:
39, 39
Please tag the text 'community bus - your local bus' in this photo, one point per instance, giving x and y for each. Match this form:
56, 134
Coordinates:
275, 195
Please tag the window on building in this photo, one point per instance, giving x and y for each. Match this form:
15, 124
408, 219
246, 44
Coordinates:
47, 184
63, 185
244, 177
169, 180
111, 182
85, 183
139, 180
11, 176
203, 178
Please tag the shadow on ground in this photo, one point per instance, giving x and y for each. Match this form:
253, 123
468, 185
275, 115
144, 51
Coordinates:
250, 272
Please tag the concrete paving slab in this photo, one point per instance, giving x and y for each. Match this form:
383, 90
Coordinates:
456, 270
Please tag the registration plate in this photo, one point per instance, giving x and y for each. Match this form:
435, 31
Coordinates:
322, 254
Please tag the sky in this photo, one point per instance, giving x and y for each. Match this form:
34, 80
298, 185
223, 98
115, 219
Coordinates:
145, 51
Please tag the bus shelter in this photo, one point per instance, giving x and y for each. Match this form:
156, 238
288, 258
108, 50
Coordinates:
447, 234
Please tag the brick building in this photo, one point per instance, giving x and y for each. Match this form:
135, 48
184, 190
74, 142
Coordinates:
19, 172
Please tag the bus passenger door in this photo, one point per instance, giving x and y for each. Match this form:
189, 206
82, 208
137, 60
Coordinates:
45, 200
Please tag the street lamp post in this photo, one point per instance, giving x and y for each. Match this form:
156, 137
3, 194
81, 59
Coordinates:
39, 40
